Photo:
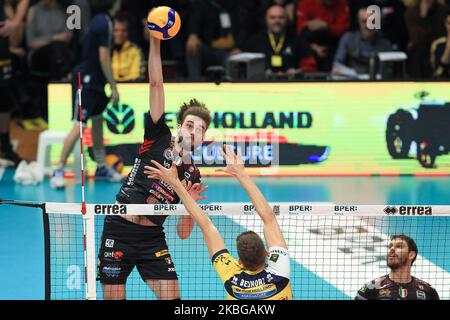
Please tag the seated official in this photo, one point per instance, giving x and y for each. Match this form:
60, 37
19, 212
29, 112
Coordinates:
285, 52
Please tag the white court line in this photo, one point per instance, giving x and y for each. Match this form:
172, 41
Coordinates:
346, 252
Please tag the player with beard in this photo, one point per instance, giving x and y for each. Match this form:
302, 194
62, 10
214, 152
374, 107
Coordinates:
140, 241
399, 284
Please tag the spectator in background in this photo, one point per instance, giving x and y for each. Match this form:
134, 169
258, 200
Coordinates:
392, 20
20, 76
7, 27
289, 6
49, 58
322, 23
285, 51
256, 12
425, 22
217, 29
17, 35
127, 59
48, 39
440, 53
445, 3
356, 48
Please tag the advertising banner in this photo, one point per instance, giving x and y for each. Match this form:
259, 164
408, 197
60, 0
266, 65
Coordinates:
351, 128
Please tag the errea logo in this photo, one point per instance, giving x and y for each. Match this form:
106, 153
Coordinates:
390, 210
110, 209
409, 210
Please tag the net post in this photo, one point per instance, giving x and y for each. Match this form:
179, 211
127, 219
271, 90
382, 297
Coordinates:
90, 261
90, 258
47, 258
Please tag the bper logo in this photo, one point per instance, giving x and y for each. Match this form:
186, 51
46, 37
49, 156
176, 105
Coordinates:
390, 210
110, 209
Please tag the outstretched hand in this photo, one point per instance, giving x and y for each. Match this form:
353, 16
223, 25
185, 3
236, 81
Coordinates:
235, 165
161, 173
195, 190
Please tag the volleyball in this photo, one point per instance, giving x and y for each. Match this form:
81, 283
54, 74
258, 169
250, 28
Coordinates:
163, 23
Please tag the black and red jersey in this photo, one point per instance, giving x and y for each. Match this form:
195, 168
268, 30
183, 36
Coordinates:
384, 288
138, 188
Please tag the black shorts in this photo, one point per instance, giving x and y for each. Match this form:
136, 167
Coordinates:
93, 102
126, 245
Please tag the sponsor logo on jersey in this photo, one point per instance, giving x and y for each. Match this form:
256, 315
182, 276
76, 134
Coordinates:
402, 292
116, 255
166, 186
168, 260
167, 164
260, 292
161, 253
274, 257
421, 295
252, 283
159, 196
384, 293
225, 259
278, 252
133, 172
161, 190
168, 154
109, 243
110, 271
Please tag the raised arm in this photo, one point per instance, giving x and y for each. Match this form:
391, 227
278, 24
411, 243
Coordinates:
212, 237
155, 77
272, 232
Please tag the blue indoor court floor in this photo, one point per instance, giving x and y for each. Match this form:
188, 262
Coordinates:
22, 241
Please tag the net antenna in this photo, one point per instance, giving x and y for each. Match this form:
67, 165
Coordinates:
88, 219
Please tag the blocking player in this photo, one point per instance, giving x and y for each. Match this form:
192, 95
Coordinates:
255, 275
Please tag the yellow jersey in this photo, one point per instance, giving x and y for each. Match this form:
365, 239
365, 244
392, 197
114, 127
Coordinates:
271, 282
128, 62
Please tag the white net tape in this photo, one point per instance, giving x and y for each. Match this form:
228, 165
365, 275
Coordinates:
242, 208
